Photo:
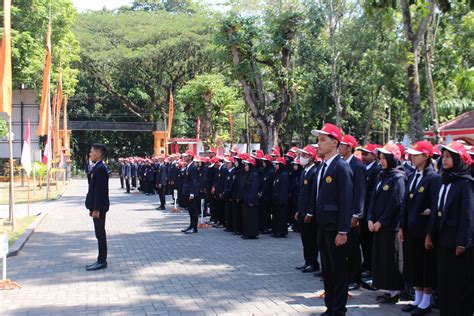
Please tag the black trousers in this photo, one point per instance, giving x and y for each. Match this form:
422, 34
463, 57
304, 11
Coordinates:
134, 182
229, 218
335, 272
121, 182
148, 187
354, 255
250, 220
280, 218
237, 216
127, 183
193, 211
219, 205
161, 194
309, 238
99, 228
265, 214
366, 239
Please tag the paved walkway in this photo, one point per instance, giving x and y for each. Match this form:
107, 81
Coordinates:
155, 269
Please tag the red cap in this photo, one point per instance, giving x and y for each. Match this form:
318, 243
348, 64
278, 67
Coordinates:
296, 162
458, 148
250, 161
229, 159
349, 140
235, 150
276, 151
369, 148
243, 156
294, 149
402, 149
258, 154
214, 159
328, 129
267, 158
189, 153
421, 147
310, 150
291, 154
281, 160
391, 149
212, 150
205, 159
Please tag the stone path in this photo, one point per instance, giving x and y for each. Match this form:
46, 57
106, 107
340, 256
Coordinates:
154, 269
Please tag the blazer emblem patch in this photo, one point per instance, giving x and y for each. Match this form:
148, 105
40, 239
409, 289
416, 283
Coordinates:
328, 179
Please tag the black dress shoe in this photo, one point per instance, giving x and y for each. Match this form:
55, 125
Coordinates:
302, 267
354, 286
187, 229
326, 313
390, 299
309, 269
421, 311
90, 265
97, 266
408, 308
318, 274
194, 231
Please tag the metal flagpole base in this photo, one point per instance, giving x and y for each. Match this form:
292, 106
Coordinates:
9, 285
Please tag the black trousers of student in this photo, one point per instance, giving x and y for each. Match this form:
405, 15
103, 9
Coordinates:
265, 214
279, 220
212, 207
237, 217
455, 282
99, 228
335, 272
161, 194
193, 211
219, 205
127, 183
148, 187
250, 220
134, 182
366, 239
229, 217
354, 258
142, 184
121, 182
309, 238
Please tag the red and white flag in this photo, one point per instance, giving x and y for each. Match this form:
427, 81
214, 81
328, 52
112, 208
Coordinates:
26, 151
61, 161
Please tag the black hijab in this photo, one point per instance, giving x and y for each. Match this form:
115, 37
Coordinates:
394, 168
459, 170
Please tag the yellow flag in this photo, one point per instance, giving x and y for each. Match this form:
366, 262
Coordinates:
6, 62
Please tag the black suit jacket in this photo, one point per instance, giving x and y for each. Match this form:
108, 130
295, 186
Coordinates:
160, 175
98, 195
306, 184
333, 206
359, 179
425, 196
190, 181
250, 194
372, 175
281, 186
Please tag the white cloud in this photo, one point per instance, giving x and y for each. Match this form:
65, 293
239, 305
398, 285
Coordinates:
83, 5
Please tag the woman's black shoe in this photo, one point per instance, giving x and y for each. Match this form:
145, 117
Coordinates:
408, 308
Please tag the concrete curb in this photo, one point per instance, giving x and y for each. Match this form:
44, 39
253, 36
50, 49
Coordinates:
18, 245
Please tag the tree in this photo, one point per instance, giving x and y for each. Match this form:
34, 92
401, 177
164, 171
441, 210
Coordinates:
261, 52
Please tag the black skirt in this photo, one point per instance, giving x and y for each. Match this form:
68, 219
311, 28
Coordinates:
386, 270
250, 221
419, 264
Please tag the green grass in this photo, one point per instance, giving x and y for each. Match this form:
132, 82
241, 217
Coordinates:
21, 224
21, 193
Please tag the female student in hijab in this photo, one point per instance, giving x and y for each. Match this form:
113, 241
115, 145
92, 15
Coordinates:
250, 200
383, 221
419, 261
454, 222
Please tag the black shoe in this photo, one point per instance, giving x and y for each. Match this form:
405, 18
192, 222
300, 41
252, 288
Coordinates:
90, 265
326, 313
382, 297
187, 229
390, 299
421, 311
309, 269
193, 231
408, 308
267, 231
368, 285
97, 266
237, 233
354, 286
318, 274
161, 208
366, 274
302, 267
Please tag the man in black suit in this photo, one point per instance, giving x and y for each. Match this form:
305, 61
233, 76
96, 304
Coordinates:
332, 209
307, 225
160, 181
359, 174
97, 202
190, 191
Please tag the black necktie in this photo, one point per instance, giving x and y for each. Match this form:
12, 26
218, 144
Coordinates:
323, 169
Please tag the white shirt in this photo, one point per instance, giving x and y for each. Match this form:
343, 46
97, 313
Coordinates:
308, 168
441, 190
328, 163
367, 167
349, 159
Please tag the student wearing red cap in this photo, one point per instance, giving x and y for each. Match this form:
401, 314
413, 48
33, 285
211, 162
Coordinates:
229, 182
190, 186
419, 267
294, 192
332, 210
454, 231
280, 191
220, 175
306, 222
384, 221
236, 194
250, 200
265, 195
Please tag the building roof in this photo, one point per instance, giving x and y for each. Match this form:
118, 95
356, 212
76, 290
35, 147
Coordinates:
463, 121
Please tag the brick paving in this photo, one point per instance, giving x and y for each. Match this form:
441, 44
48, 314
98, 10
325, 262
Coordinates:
154, 269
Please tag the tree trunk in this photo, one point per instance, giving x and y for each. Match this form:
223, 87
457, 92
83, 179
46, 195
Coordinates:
429, 79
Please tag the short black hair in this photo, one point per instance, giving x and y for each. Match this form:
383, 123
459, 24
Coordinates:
332, 137
101, 148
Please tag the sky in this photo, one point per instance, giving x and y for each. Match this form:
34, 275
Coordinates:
83, 5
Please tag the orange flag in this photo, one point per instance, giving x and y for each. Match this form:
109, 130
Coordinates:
45, 108
6, 62
170, 113
58, 111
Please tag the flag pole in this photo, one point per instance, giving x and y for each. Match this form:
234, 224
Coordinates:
11, 189
28, 184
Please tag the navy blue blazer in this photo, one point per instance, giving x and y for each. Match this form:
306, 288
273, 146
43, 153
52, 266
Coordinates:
359, 179
305, 196
160, 175
190, 180
238, 184
424, 196
372, 175
333, 206
250, 194
386, 202
221, 176
98, 194
229, 182
456, 222
202, 181
281, 186
267, 186
409, 170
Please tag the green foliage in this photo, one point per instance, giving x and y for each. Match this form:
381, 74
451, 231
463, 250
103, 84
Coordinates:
3, 128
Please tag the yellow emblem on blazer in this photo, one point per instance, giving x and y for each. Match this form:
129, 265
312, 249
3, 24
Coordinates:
328, 179
411, 195
421, 189
386, 187
305, 182
439, 214
219, 176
